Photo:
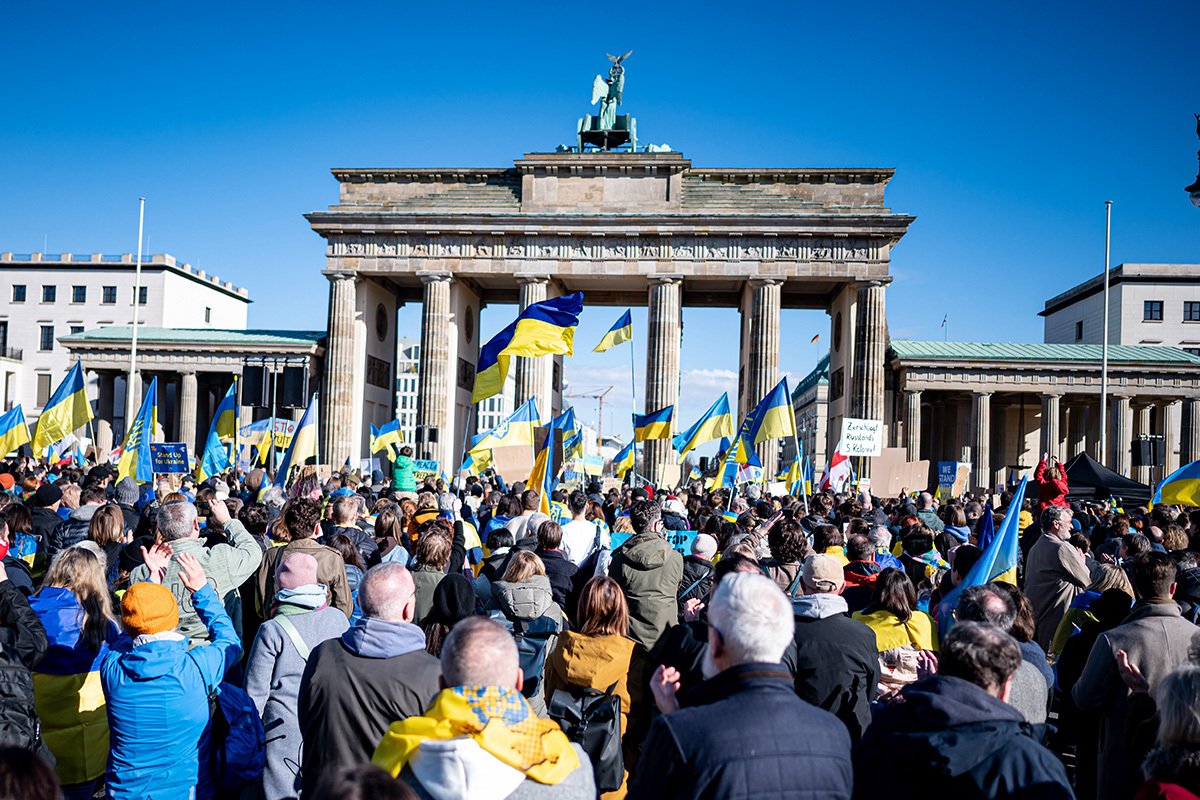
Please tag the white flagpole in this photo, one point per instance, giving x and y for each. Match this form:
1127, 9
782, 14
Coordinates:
133, 340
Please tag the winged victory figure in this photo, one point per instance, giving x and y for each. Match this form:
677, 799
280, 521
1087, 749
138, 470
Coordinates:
607, 92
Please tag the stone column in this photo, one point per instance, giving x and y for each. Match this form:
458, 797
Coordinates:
340, 372
433, 373
981, 439
1120, 434
760, 310
912, 425
187, 410
106, 395
1189, 431
1051, 437
1170, 430
1143, 413
665, 322
531, 372
869, 344
1077, 430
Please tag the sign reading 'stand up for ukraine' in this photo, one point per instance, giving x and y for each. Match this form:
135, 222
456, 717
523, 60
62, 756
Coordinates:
169, 458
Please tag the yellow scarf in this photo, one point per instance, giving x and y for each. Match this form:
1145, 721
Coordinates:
499, 720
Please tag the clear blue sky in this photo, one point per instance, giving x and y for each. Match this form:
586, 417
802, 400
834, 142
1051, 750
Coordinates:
1008, 125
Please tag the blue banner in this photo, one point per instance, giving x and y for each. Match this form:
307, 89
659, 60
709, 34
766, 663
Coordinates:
169, 458
679, 540
947, 473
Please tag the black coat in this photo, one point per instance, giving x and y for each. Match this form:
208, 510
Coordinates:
45, 520
22, 646
745, 734
363, 541
674, 522
836, 667
560, 570
697, 579
949, 738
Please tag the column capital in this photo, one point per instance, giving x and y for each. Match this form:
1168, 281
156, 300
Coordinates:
875, 283
433, 277
982, 394
1056, 395
341, 275
766, 280
664, 279
916, 392
187, 371
538, 278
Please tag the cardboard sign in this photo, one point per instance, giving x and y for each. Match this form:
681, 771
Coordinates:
862, 437
425, 468
169, 458
593, 465
513, 463
670, 475
680, 541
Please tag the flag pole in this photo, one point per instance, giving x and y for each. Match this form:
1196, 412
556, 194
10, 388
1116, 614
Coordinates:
1104, 340
462, 451
137, 295
633, 396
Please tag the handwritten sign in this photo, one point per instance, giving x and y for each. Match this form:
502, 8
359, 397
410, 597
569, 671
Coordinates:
169, 458
862, 437
425, 468
680, 541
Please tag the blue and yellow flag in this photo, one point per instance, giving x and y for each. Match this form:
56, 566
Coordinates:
998, 562
516, 430
303, 446
573, 446
542, 329
135, 450
14, 431
655, 425
224, 426
619, 333
66, 411
1181, 487
541, 477
565, 421
716, 423
476, 463
774, 417
623, 461
385, 436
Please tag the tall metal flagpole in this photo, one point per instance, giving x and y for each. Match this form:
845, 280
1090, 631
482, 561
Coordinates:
133, 340
1104, 340
633, 396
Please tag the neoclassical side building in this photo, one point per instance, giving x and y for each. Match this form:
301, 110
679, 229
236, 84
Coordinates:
624, 228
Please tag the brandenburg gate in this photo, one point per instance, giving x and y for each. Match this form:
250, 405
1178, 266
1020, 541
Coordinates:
625, 228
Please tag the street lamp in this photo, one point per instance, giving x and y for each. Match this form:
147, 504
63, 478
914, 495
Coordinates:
1194, 190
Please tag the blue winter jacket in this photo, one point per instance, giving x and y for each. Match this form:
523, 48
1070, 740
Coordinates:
158, 711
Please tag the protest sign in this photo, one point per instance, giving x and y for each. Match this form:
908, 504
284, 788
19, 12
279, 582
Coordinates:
593, 465
861, 437
425, 468
169, 458
680, 541
513, 463
947, 471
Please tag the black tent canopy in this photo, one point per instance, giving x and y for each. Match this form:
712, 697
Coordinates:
1088, 479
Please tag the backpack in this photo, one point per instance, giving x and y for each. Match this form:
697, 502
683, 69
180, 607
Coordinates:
533, 640
237, 744
592, 719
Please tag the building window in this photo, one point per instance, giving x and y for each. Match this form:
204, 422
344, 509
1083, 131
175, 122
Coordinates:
49, 294
1193, 350
18, 295
76, 329
207, 314
141, 294
1079, 331
1152, 311
78, 294
110, 295
46, 342
43, 389
1191, 311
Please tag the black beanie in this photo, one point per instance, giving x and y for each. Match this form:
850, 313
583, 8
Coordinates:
453, 600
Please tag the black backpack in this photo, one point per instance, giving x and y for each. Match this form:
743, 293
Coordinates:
592, 719
533, 640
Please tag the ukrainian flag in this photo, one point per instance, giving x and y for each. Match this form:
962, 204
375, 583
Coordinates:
565, 421
66, 411
386, 435
774, 417
135, 450
14, 431
998, 563
516, 430
795, 477
655, 425
716, 423
623, 461
542, 329
542, 475
224, 426
619, 333
1181, 487
303, 446
573, 446
477, 463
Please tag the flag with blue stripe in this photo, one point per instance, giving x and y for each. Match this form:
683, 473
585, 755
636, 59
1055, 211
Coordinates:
545, 328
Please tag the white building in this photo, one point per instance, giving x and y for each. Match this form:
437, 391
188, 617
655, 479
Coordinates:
49, 296
1151, 304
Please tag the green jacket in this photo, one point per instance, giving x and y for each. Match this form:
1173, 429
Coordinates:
226, 565
648, 570
403, 479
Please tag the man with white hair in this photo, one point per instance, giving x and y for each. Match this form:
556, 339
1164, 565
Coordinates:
479, 738
743, 732
881, 537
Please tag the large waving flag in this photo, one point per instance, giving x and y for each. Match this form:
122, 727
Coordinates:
716, 423
623, 461
224, 426
14, 431
655, 425
774, 417
998, 562
1181, 487
619, 333
135, 450
541, 477
565, 421
385, 436
516, 430
542, 329
837, 471
573, 446
303, 446
66, 411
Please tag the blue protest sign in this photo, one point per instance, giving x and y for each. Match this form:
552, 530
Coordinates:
679, 540
169, 458
947, 472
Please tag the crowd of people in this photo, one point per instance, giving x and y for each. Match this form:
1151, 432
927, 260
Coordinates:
358, 638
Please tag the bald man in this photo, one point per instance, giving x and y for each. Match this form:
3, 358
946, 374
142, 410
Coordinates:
377, 673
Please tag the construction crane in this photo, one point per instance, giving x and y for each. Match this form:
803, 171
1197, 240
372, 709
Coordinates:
599, 398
